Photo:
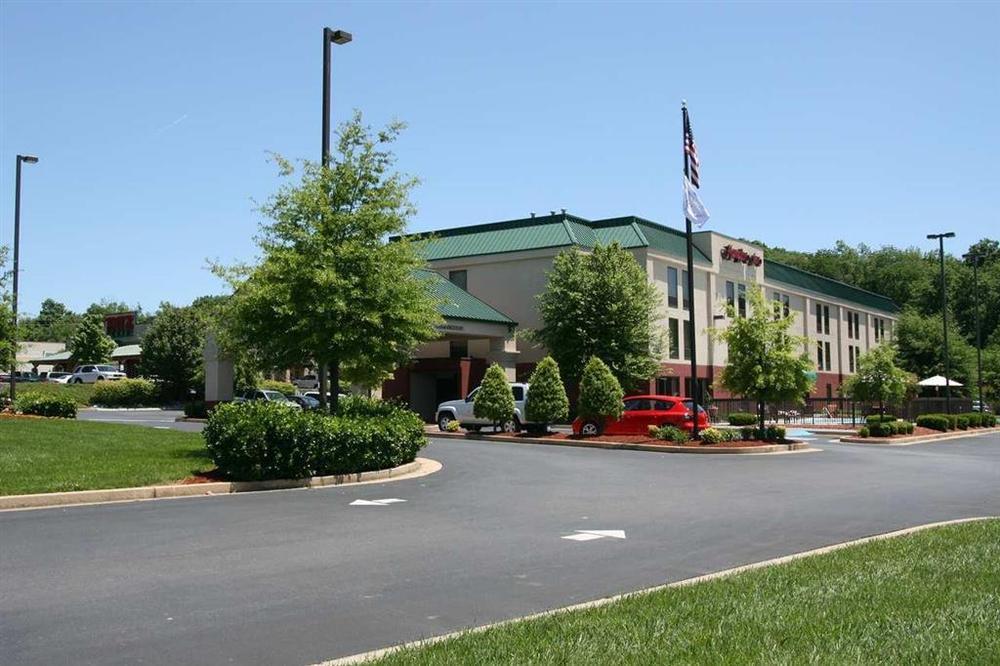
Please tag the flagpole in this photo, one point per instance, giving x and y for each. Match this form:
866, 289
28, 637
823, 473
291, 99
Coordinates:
690, 281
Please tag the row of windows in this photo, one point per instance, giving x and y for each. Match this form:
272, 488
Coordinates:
672, 386
782, 304
672, 288
853, 356
878, 327
736, 296
823, 355
854, 325
823, 319
673, 326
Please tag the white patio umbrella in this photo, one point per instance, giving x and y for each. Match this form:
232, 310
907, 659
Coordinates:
937, 380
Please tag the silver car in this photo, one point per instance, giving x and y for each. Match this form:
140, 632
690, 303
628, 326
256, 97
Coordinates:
88, 374
462, 411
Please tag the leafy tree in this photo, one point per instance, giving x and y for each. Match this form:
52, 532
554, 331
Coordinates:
54, 323
546, 401
600, 392
920, 340
7, 349
494, 399
879, 379
601, 304
172, 349
766, 362
331, 288
89, 343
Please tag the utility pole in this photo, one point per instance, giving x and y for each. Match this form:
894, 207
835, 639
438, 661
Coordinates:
30, 159
944, 318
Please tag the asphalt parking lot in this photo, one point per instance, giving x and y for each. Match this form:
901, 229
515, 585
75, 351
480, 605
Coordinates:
296, 577
152, 418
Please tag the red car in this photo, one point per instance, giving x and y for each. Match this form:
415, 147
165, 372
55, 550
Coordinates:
642, 411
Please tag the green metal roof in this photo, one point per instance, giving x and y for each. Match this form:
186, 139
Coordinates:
511, 236
53, 358
796, 277
457, 303
126, 351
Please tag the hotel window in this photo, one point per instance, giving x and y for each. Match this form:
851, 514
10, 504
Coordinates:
826, 319
878, 327
826, 346
730, 294
668, 385
685, 303
850, 326
674, 339
783, 305
687, 339
857, 326
819, 355
850, 357
819, 318
742, 300
460, 278
672, 287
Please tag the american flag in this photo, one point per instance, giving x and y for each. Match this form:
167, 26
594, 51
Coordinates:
692, 151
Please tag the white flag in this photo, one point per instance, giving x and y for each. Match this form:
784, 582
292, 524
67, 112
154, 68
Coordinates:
694, 209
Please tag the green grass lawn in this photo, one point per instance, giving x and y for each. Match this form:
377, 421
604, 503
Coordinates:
52, 455
929, 598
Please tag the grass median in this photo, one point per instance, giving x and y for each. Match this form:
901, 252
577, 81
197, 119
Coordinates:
928, 598
54, 455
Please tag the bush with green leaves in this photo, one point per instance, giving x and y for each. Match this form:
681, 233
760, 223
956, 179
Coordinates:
989, 420
975, 419
879, 418
907, 427
742, 418
275, 385
712, 436
962, 422
126, 393
600, 393
863, 432
673, 434
257, 440
494, 399
934, 422
36, 404
748, 433
453, 426
546, 401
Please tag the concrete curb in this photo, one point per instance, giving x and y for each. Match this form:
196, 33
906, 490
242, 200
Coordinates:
920, 439
189, 419
376, 654
419, 467
657, 448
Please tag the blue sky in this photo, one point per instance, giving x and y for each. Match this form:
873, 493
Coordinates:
870, 123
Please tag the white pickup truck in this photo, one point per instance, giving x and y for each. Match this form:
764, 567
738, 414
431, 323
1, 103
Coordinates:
462, 411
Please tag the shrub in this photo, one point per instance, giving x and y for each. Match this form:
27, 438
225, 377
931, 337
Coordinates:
600, 393
125, 393
882, 429
712, 436
255, 441
742, 419
35, 404
975, 419
748, 433
962, 422
908, 427
274, 385
989, 420
670, 433
494, 399
546, 400
453, 426
879, 418
78, 393
772, 433
934, 422
196, 409
362, 406
863, 432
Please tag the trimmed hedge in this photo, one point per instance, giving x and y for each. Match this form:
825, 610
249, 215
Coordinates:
35, 404
256, 441
712, 436
879, 418
742, 419
863, 432
944, 422
934, 421
125, 393
670, 434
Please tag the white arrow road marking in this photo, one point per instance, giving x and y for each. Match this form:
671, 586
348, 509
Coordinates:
590, 535
381, 502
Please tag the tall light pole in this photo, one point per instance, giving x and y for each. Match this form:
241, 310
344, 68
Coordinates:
30, 159
974, 258
944, 317
330, 37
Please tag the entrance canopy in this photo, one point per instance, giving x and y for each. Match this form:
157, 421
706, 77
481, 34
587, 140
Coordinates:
938, 380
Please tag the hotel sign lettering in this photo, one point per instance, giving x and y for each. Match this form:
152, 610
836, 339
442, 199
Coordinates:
741, 256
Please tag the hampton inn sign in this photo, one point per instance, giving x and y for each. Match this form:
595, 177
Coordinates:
741, 256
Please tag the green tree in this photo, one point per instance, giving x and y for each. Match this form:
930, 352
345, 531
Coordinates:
600, 392
494, 399
54, 323
332, 288
766, 362
546, 402
89, 343
878, 378
920, 340
601, 304
7, 328
172, 349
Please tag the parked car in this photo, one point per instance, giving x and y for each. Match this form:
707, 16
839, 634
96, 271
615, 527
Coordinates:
58, 377
315, 395
642, 411
980, 407
304, 401
462, 411
306, 382
26, 377
267, 396
88, 374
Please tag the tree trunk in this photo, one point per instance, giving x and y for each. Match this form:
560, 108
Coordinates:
334, 385
321, 376
760, 415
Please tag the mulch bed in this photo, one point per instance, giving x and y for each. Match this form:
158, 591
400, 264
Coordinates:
211, 476
643, 439
920, 430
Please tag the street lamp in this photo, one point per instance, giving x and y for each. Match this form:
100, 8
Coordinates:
339, 37
30, 159
944, 317
974, 258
